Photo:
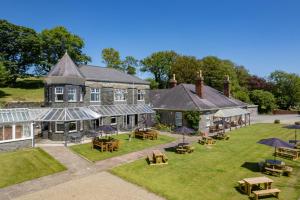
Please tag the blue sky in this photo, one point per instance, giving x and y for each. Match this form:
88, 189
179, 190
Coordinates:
262, 35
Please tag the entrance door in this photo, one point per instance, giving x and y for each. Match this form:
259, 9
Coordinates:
136, 120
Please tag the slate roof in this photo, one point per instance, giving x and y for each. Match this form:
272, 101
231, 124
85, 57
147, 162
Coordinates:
95, 73
183, 97
66, 68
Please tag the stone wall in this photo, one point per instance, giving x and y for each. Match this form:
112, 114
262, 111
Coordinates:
9, 146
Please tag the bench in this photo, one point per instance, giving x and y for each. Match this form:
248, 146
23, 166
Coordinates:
272, 171
287, 170
242, 185
273, 191
150, 158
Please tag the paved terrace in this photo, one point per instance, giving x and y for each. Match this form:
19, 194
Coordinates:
84, 179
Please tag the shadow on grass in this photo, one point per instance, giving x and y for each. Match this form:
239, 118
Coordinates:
252, 166
171, 149
3, 94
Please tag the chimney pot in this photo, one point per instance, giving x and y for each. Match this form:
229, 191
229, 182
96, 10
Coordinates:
173, 81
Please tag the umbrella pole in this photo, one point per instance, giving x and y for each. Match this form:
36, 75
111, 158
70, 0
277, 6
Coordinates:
275, 154
295, 136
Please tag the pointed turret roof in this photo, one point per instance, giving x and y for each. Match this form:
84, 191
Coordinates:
65, 71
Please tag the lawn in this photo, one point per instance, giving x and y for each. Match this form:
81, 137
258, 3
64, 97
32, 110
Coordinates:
26, 90
86, 151
212, 173
22, 165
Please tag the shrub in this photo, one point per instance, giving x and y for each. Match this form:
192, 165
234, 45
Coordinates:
265, 100
276, 121
193, 118
163, 127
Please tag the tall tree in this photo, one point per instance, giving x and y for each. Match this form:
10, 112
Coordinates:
259, 83
160, 64
287, 89
19, 49
111, 58
185, 68
130, 65
55, 42
265, 100
215, 69
243, 76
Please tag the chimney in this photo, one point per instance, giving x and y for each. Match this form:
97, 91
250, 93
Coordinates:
173, 82
226, 90
199, 84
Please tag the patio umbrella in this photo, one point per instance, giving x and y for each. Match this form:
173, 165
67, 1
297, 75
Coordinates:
107, 129
184, 130
294, 126
275, 142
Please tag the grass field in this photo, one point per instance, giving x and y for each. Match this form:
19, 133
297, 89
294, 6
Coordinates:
86, 151
26, 90
27, 164
212, 173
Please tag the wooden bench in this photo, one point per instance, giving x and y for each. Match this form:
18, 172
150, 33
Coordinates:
272, 171
287, 153
273, 191
242, 185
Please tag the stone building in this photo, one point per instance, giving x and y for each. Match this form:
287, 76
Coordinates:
78, 99
212, 105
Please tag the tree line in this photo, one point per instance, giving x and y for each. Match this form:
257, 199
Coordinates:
23, 49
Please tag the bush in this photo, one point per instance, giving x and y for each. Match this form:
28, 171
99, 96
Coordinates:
162, 127
276, 121
193, 118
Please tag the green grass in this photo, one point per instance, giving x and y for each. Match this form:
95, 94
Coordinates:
86, 151
212, 173
22, 165
26, 90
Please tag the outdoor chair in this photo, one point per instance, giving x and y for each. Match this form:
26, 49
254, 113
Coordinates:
75, 137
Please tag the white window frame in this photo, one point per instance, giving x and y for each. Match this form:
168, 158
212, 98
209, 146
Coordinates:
141, 93
59, 93
120, 94
74, 93
95, 91
76, 128
113, 117
13, 126
56, 131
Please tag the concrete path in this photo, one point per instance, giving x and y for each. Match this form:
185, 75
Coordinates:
284, 119
78, 168
102, 185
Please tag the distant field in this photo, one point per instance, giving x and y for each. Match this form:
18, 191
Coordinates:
26, 90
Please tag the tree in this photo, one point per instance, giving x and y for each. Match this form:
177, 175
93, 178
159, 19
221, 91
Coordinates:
111, 58
20, 49
258, 83
265, 100
185, 68
215, 69
287, 89
54, 43
153, 83
242, 95
130, 64
159, 64
4, 75
243, 75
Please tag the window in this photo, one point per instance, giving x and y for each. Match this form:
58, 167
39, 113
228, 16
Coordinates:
95, 95
120, 94
141, 95
72, 126
59, 94
113, 121
178, 119
8, 132
19, 131
60, 127
1, 133
72, 94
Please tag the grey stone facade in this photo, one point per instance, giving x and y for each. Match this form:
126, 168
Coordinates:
9, 146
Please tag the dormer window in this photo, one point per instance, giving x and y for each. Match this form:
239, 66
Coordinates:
120, 94
59, 94
72, 94
140, 95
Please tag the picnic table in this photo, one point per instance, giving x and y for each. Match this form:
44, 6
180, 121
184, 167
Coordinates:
157, 157
106, 144
288, 153
207, 140
183, 148
277, 168
256, 181
146, 134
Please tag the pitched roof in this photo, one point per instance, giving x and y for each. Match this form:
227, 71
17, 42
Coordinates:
66, 68
183, 97
95, 73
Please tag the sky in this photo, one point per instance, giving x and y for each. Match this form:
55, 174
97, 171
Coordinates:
262, 35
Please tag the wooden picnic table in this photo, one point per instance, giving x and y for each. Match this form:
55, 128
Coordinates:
207, 140
250, 182
288, 153
157, 158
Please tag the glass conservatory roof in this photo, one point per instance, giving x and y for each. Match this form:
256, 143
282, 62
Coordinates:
223, 113
122, 109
